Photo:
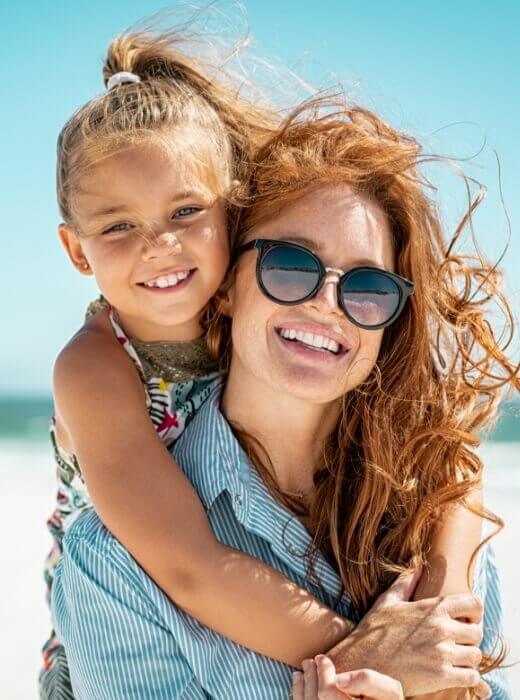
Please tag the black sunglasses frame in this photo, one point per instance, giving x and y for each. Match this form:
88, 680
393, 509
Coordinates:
264, 245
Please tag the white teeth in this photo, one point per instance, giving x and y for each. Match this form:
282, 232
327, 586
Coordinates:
168, 280
314, 341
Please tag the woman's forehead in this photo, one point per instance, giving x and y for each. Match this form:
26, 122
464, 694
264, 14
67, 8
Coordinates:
336, 222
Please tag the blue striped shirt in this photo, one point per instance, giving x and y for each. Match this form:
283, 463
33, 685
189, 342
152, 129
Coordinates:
123, 637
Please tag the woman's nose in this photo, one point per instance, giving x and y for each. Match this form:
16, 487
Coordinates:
326, 300
162, 245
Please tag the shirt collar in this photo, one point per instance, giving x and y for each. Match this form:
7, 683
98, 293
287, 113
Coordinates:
214, 461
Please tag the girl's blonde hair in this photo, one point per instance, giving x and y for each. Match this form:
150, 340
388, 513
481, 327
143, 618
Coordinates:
403, 448
174, 106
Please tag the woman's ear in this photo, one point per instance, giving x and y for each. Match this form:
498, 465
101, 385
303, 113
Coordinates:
225, 296
72, 244
225, 302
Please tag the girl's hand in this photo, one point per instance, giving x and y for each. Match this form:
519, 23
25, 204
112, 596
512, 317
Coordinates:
319, 681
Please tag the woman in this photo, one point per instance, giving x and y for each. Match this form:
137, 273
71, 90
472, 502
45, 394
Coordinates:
344, 408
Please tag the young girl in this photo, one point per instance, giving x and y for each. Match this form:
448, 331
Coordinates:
145, 174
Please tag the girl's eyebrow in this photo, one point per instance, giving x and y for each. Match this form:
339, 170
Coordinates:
122, 208
108, 211
187, 194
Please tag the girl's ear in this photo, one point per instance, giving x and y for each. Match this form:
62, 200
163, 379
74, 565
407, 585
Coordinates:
72, 244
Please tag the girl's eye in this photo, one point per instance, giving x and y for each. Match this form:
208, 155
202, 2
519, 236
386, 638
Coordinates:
117, 228
186, 211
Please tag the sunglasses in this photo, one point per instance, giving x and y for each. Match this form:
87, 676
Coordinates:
290, 274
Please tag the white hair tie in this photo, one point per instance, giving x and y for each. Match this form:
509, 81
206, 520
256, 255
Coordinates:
122, 77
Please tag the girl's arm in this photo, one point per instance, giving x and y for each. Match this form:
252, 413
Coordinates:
147, 502
454, 539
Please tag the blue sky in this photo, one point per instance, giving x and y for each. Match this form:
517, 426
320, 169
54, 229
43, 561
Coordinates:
448, 72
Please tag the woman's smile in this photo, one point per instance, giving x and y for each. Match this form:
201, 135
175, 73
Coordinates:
311, 350
314, 341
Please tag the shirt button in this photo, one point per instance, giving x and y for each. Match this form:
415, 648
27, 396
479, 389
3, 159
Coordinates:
238, 499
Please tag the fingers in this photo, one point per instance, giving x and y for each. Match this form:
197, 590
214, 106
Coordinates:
482, 690
297, 686
370, 684
365, 682
327, 689
401, 589
466, 656
464, 678
326, 672
317, 682
465, 632
464, 605
310, 680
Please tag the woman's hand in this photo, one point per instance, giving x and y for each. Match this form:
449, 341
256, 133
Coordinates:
423, 644
319, 681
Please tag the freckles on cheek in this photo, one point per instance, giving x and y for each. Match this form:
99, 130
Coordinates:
212, 241
249, 315
369, 343
214, 234
210, 233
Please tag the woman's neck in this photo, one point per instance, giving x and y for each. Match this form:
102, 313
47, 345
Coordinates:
291, 431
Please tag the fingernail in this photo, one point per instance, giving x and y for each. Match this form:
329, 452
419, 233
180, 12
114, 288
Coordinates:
321, 659
297, 676
343, 679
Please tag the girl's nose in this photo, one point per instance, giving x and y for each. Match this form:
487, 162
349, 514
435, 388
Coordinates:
162, 245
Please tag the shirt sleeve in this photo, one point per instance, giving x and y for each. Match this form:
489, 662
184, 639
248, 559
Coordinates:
116, 645
487, 586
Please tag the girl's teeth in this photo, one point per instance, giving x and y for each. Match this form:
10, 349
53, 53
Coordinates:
168, 280
313, 341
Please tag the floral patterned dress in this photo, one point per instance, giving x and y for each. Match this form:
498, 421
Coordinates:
177, 378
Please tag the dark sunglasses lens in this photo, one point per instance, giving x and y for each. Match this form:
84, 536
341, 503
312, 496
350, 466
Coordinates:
370, 297
289, 274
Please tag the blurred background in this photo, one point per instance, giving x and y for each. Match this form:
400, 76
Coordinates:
446, 72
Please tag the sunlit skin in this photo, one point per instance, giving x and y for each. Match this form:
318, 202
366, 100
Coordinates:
160, 224
297, 391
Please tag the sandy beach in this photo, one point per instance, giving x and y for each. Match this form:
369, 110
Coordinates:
26, 499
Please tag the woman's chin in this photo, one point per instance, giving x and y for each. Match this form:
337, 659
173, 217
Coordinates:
308, 383
314, 375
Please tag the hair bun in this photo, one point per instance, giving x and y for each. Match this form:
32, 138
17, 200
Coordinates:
121, 78
147, 55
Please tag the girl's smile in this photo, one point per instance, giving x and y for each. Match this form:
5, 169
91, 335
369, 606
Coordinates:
157, 245
169, 281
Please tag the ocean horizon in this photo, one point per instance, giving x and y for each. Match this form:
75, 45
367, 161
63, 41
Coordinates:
27, 418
